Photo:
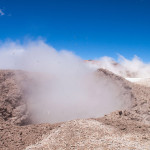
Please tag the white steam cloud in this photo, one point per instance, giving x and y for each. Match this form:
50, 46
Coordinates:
64, 87
134, 68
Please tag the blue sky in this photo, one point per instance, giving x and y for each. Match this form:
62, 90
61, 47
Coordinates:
89, 28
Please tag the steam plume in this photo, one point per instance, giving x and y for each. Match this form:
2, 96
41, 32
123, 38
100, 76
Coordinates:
134, 68
65, 86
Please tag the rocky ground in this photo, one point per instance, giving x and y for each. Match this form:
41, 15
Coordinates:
122, 130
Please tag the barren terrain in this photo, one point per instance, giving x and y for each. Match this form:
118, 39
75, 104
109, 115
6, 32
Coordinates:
123, 129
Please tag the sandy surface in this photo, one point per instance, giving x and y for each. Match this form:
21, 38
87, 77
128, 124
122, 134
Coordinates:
92, 134
123, 129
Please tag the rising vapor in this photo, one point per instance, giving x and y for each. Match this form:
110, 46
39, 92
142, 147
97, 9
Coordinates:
64, 87
134, 68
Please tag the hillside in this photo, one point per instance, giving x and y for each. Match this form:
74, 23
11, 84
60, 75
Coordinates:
128, 128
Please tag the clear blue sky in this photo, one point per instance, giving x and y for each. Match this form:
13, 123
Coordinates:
90, 28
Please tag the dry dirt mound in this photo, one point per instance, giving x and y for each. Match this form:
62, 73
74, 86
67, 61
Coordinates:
14, 137
91, 134
123, 129
14, 114
12, 104
139, 109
